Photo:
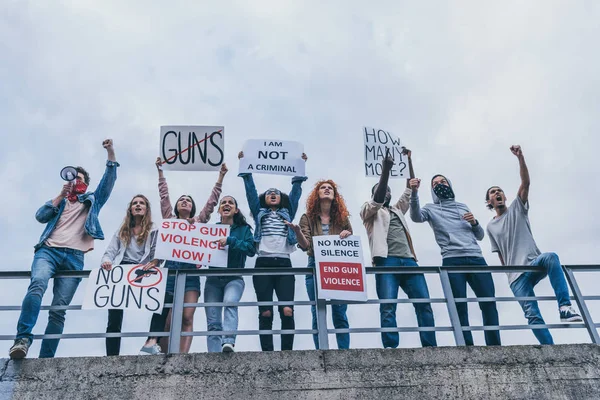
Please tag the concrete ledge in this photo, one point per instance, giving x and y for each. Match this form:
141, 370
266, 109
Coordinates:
512, 372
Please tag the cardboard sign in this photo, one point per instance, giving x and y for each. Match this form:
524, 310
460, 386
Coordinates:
178, 240
273, 157
126, 287
377, 141
340, 268
192, 148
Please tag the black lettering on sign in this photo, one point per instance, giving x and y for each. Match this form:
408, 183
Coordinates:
150, 293
101, 301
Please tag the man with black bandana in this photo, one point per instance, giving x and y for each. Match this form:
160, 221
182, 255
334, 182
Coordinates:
456, 232
510, 236
391, 246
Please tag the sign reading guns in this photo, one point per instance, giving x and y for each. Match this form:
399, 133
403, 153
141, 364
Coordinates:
377, 141
126, 287
192, 148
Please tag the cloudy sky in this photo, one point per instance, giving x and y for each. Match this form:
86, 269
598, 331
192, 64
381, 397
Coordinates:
458, 83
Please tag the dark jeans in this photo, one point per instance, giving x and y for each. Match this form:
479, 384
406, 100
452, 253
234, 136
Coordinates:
283, 286
483, 286
415, 287
115, 322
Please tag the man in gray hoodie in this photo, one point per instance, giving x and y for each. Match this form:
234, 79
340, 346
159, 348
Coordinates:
456, 232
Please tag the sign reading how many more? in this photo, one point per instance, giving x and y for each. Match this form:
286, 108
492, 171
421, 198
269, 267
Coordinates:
377, 142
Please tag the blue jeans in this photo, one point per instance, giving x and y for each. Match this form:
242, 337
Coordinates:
483, 286
222, 289
46, 262
415, 287
523, 287
338, 314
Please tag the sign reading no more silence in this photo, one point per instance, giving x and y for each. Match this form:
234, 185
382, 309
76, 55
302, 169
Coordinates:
339, 267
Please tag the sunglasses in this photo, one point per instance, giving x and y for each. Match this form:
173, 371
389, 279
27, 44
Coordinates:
273, 191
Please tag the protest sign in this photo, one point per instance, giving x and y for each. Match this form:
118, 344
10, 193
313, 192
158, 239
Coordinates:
192, 148
126, 287
377, 141
178, 240
339, 267
275, 157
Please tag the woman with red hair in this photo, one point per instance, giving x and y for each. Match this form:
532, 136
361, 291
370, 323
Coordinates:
326, 214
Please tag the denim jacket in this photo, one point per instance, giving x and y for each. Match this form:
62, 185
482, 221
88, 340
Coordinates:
49, 215
258, 212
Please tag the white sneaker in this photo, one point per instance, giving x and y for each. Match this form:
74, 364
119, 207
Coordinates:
228, 348
150, 351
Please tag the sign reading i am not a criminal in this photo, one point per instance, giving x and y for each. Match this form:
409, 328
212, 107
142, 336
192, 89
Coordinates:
126, 287
192, 148
178, 240
377, 141
340, 268
275, 157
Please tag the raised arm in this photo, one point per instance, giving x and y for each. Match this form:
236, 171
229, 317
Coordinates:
251, 193
163, 191
417, 214
106, 184
381, 191
209, 207
296, 191
523, 192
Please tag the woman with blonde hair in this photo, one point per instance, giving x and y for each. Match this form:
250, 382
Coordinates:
326, 214
133, 243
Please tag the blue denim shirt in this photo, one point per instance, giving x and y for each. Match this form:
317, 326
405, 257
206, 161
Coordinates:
48, 214
258, 213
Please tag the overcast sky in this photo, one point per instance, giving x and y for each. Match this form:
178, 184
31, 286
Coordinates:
458, 83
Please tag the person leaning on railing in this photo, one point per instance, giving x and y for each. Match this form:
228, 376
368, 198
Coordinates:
326, 214
275, 242
72, 224
511, 237
391, 246
185, 209
134, 243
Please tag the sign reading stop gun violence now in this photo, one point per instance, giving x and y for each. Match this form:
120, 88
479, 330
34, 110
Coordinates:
192, 148
340, 268
178, 240
377, 141
126, 287
275, 157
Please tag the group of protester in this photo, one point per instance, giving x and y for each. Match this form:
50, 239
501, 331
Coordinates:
72, 225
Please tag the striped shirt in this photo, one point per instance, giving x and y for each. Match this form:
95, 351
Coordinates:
274, 237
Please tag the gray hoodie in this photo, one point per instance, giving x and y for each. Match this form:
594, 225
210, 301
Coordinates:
455, 236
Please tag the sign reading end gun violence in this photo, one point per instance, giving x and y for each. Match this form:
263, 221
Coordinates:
275, 157
192, 148
377, 142
340, 268
126, 287
178, 240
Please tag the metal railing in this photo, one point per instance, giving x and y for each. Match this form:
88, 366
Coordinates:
322, 331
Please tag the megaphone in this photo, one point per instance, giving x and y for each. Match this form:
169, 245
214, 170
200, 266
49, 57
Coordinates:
68, 173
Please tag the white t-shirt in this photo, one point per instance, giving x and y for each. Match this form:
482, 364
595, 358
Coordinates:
273, 242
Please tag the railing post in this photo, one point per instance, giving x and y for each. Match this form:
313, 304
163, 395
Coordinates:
452, 311
321, 309
177, 312
585, 313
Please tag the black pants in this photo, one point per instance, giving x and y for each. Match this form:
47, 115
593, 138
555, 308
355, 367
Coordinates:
158, 321
115, 321
284, 286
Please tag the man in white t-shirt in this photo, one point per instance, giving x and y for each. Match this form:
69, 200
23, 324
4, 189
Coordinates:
510, 236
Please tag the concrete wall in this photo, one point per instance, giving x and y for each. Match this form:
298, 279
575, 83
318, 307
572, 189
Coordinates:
515, 372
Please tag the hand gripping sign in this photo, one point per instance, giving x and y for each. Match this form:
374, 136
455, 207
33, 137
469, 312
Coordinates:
339, 267
377, 141
275, 157
178, 240
126, 287
192, 148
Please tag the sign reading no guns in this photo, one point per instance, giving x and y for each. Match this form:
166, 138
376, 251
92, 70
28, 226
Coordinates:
275, 157
126, 287
339, 267
377, 141
192, 148
178, 240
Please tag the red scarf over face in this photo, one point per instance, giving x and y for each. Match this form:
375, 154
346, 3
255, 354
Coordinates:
79, 188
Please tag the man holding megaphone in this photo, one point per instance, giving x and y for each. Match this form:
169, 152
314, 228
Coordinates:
72, 225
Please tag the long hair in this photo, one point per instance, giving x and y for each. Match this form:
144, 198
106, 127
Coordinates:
339, 212
125, 233
192, 213
238, 218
